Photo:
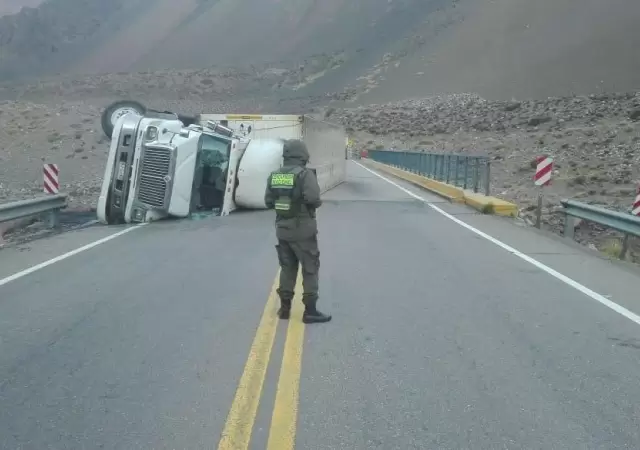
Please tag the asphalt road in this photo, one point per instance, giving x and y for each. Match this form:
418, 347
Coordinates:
440, 338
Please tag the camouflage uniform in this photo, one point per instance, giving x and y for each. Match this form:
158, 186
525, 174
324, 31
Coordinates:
294, 193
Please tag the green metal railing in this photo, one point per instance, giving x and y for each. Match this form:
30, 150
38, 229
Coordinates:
465, 171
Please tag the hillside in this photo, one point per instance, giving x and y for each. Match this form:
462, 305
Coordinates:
14, 6
93, 36
394, 49
502, 49
456, 68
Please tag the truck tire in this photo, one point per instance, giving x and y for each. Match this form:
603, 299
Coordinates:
187, 120
115, 110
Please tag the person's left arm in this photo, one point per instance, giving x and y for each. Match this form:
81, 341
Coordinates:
268, 195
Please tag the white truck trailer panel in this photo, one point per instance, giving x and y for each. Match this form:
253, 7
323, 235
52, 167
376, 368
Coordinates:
327, 145
261, 157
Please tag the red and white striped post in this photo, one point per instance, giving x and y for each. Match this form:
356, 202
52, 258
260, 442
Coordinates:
51, 178
542, 178
635, 209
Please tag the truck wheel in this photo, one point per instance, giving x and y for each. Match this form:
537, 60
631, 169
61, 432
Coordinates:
115, 110
187, 120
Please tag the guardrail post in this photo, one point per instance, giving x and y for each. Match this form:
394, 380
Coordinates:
487, 181
52, 218
447, 159
569, 226
443, 177
466, 171
476, 175
457, 171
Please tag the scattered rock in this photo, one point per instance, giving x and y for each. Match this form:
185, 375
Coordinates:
535, 121
594, 159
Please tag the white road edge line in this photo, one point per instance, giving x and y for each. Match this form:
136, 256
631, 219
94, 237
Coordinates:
565, 279
44, 264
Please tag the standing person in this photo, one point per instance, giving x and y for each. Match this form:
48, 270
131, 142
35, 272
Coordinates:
294, 193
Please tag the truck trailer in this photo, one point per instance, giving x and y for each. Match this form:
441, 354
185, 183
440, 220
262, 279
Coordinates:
163, 165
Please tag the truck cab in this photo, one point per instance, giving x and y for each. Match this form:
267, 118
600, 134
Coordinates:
158, 168
162, 164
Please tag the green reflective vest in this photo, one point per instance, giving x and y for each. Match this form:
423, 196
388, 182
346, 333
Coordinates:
286, 192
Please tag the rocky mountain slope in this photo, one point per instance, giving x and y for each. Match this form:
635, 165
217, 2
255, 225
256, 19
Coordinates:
503, 49
594, 140
14, 6
52, 37
395, 49
433, 75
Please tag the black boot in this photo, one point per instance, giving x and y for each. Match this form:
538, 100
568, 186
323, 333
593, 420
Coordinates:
312, 315
284, 312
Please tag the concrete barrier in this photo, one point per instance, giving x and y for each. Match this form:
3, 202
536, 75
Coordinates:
482, 203
490, 205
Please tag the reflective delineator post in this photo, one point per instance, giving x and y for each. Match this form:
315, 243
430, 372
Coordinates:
542, 178
51, 178
635, 210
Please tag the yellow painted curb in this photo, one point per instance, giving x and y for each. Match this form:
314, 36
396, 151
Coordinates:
453, 193
482, 203
490, 205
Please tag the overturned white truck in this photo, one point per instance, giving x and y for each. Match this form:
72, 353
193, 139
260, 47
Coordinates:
164, 165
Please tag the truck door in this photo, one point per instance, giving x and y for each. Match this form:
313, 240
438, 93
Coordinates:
235, 157
213, 165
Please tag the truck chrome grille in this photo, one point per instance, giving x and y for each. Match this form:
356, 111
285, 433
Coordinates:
156, 163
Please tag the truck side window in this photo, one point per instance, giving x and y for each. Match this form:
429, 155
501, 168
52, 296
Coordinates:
215, 152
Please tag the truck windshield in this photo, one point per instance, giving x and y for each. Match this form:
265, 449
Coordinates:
213, 156
215, 151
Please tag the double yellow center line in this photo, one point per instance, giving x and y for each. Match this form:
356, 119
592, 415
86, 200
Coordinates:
237, 431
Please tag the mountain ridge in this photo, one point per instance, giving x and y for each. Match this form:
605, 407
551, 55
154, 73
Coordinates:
389, 49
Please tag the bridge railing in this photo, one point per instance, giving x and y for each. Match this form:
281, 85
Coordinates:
464, 171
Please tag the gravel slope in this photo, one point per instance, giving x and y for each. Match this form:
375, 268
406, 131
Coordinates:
341, 55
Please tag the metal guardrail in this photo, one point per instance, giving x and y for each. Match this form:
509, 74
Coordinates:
464, 171
625, 223
48, 206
